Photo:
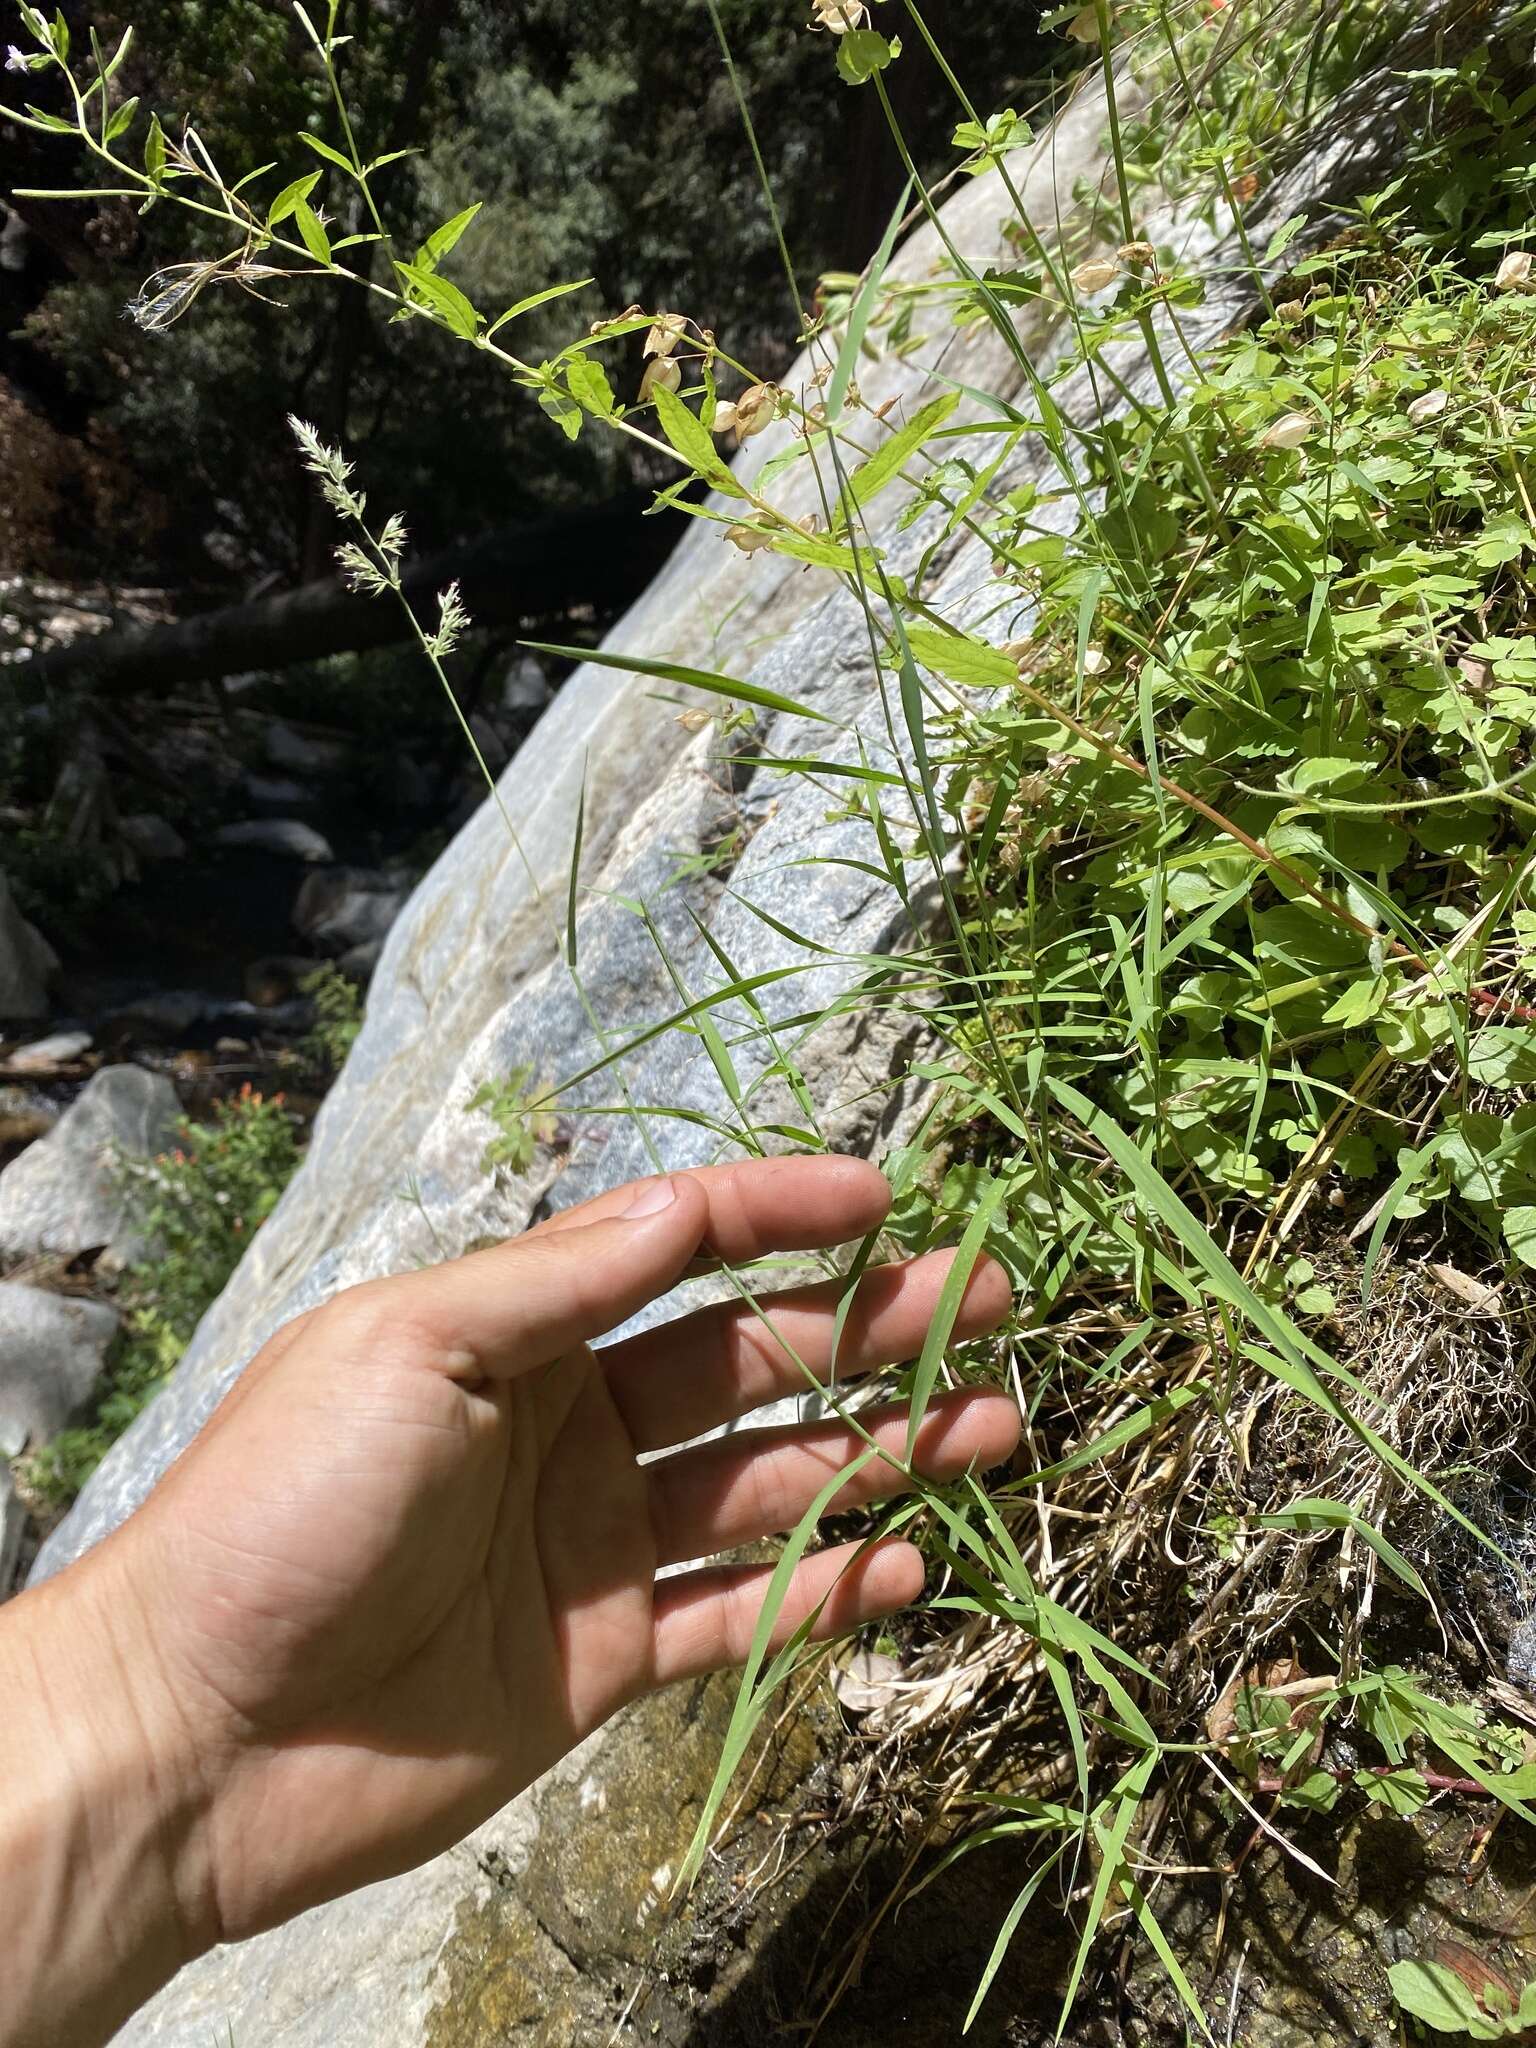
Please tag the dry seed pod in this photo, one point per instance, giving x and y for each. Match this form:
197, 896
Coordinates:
1094, 274
660, 370
1289, 431
755, 408
667, 330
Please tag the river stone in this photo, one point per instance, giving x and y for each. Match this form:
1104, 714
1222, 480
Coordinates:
289, 837
339, 908
61, 1195
27, 962
152, 837
47, 1055
52, 1348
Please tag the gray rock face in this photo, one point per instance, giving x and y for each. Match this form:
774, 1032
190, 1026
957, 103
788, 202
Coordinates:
286, 836
61, 1194
51, 1353
27, 962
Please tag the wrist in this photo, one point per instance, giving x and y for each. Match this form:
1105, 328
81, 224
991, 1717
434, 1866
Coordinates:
104, 1889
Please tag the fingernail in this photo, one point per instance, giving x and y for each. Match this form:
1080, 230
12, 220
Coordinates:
656, 1194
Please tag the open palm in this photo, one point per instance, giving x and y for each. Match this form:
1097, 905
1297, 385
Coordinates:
412, 1560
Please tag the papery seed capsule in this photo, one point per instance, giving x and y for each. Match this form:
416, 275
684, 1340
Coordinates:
1289, 431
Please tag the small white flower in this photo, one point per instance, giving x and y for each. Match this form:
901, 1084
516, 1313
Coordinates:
16, 60
1428, 406
1095, 661
1514, 273
1289, 431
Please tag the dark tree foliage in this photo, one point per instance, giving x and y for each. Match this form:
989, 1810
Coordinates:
604, 141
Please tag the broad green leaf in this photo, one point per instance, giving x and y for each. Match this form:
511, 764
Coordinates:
325, 149
522, 306
1519, 1228
311, 231
443, 298
122, 120
589, 386
1284, 235
1438, 1997
441, 240
863, 51
290, 197
154, 150
887, 462
969, 662
694, 443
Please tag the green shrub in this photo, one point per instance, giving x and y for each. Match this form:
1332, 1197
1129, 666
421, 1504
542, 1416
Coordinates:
198, 1207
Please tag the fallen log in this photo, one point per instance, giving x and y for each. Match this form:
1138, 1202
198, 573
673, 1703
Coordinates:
523, 575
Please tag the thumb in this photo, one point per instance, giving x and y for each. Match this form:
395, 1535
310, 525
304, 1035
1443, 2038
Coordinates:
505, 1311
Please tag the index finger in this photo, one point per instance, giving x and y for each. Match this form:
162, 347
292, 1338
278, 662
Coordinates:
757, 1206
523, 1304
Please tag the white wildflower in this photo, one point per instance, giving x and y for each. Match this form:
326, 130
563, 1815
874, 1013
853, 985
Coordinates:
16, 60
1095, 661
1514, 273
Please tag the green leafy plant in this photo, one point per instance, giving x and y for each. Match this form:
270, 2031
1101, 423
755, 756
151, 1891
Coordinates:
524, 1116
1443, 1999
338, 1005
197, 1207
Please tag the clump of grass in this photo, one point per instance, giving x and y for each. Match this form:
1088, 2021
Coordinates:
1229, 997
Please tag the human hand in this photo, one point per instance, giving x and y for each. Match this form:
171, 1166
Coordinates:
411, 1561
